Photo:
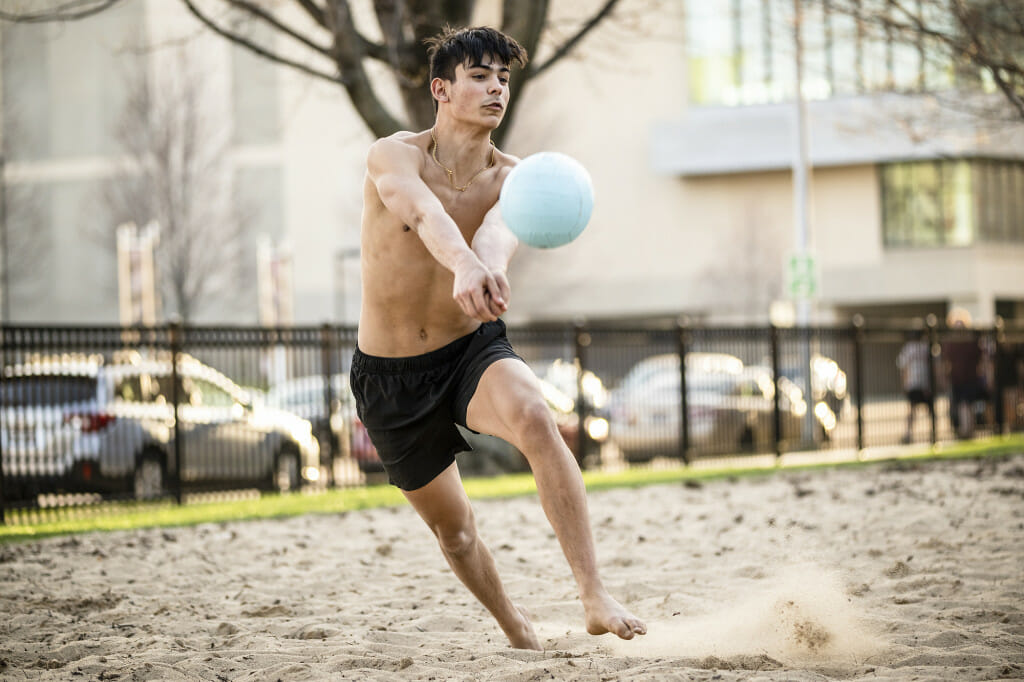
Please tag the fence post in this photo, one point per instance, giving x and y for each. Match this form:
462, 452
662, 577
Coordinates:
176, 331
776, 409
683, 337
858, 377
582, 340
3, 488
327, 362
934, 355
998, 380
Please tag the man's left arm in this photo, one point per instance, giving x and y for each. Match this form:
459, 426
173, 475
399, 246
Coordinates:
494, 245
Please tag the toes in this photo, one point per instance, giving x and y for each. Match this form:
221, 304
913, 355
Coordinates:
623, 629
638, 627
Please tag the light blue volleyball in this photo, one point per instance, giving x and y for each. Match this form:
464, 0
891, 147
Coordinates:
547, 199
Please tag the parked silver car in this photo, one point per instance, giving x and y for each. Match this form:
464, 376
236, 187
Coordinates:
82, 424
730, 406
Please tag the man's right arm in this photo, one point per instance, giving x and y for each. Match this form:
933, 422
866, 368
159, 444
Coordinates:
394, 168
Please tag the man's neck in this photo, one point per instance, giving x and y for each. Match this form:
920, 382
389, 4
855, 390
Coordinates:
462, 148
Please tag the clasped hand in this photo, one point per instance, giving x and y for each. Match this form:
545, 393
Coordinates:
482, 293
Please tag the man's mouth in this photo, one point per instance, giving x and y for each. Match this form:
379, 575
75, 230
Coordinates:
497, 106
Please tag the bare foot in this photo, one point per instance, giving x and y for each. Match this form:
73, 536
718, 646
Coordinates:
604, 615
521, 634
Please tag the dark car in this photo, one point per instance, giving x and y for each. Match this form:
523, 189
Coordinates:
341, 434
492, 455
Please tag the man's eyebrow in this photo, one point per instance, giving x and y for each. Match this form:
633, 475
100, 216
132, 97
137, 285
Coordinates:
489, 67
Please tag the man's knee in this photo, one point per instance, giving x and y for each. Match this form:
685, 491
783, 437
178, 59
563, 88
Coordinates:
456, 539
532, 419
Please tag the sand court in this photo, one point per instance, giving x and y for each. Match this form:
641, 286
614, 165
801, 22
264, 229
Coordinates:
893, 571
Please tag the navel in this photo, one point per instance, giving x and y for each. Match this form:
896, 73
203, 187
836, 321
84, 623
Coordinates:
405, 228
423, 334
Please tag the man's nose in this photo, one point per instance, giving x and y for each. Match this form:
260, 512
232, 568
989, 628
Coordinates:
495, 86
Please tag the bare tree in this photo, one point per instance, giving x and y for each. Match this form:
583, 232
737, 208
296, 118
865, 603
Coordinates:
175, 173
982, 41
26, 241
327, 39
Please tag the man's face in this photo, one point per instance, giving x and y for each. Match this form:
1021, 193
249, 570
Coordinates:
480, 91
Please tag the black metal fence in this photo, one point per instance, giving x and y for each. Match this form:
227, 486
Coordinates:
92, 414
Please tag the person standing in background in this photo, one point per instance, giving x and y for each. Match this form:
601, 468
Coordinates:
914, 362
962, 360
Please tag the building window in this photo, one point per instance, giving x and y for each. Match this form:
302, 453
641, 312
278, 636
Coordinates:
953, 203
741, 52
713, 52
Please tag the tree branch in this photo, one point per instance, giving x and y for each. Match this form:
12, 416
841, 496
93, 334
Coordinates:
348, 55
69, 11
980, 57
259, 50
273, 21
315, 13
373, 50
1014, 9
568, 46
391, 19
524, 24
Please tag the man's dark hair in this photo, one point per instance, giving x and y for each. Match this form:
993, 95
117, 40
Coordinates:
469, 45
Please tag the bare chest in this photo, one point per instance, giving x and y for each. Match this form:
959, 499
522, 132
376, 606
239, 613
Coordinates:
467, 207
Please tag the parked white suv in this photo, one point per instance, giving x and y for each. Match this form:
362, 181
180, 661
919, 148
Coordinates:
80, 424
53, 420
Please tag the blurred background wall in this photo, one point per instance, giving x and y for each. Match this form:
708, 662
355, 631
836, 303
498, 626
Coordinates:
682, 111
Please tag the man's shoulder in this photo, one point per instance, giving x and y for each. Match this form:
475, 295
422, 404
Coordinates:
505, 163
403, 140
506, 159
396, 150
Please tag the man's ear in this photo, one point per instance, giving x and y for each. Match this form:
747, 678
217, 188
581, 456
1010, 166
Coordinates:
439, 89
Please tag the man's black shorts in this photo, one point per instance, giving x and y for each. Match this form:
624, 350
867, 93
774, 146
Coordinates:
410, 405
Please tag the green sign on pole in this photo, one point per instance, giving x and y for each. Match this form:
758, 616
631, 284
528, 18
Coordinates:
801, 276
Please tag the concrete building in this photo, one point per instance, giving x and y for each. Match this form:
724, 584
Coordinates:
688, 133
284, 167
914, 206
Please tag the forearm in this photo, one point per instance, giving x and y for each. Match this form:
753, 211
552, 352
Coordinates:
494, 245
444, 240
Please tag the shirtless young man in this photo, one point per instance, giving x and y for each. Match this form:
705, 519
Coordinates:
432, 350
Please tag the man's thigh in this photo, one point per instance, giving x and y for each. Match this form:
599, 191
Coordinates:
507, 389
442, 503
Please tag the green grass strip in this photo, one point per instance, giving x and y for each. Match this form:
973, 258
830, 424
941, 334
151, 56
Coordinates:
131, 515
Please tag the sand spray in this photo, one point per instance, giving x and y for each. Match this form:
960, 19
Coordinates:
802, 612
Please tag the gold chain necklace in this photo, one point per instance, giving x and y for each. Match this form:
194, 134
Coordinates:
450, 172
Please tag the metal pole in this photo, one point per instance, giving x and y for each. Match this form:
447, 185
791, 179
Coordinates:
801, 232
776, 411
175, 330
858, 377
582, 340
683, 333
1000, 348
933, 383
800, 161
327, 439
3, 362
